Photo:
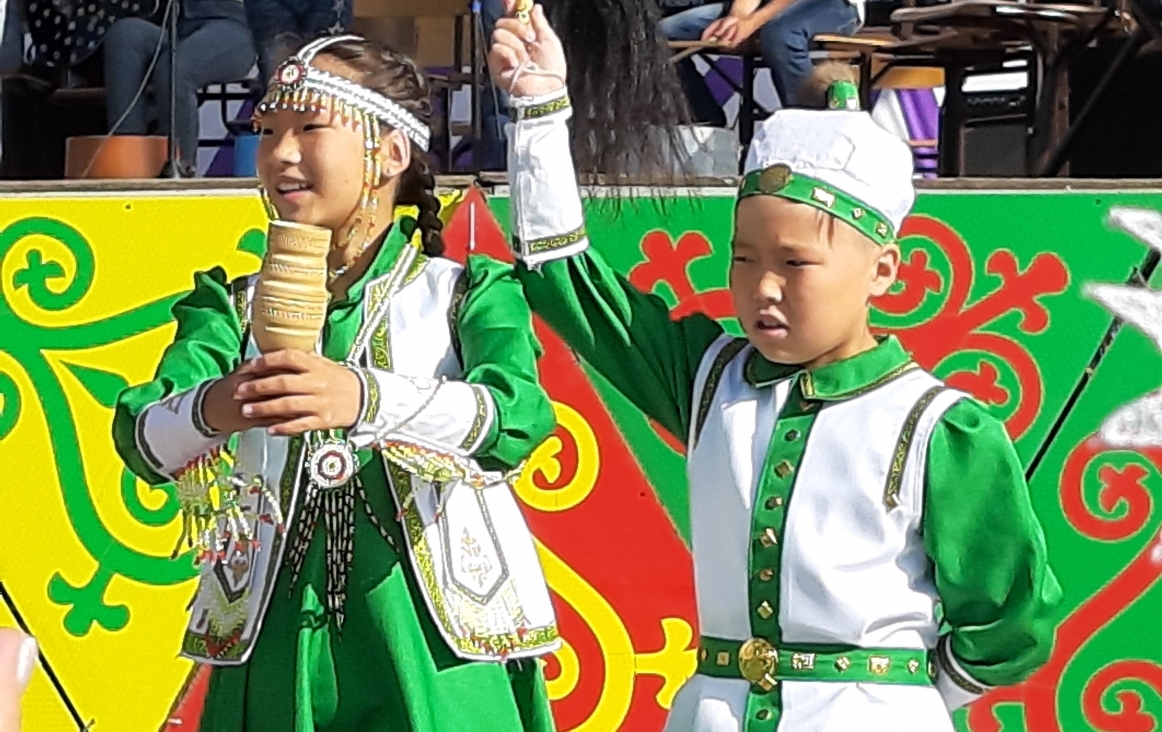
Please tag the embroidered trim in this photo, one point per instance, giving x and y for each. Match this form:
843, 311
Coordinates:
418, 266
538, 111
890, 376
944, 656
206, 645
239, 294
375, 327
479, 421
371, 397
143, 447
503, 645
488, 525
903, 445
713, 376
459, 295
780, 180
553, 243
430, 464
381, 338
196, 415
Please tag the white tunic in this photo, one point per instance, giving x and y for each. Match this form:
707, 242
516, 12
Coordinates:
852, 572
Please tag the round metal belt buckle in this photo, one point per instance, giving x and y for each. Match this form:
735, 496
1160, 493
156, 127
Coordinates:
758, 661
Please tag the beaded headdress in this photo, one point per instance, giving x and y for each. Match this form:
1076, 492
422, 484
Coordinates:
298, 86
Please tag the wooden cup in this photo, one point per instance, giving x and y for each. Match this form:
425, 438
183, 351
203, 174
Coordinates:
290, 299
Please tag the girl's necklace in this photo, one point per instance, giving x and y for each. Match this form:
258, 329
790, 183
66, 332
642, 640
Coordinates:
343, 269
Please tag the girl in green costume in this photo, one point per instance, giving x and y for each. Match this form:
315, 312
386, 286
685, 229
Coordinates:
374, 540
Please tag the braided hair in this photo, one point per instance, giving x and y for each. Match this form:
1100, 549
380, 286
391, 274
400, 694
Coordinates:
397, 77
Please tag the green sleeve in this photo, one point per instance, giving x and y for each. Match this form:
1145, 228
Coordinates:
996, 589
207, 345
499, 351
627, 335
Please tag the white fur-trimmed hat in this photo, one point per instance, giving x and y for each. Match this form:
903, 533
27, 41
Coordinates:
837, 160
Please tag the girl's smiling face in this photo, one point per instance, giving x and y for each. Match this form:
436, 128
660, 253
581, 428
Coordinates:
312, 163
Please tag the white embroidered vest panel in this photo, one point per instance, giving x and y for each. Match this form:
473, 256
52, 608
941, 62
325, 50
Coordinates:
853, 570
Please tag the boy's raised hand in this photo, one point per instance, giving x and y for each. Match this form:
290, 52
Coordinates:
526, 59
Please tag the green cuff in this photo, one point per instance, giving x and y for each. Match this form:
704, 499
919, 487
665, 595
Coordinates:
780, 180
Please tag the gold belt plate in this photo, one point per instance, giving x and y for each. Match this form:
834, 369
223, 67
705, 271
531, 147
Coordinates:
758, 662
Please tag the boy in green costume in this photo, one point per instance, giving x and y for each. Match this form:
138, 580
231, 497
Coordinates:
865, 553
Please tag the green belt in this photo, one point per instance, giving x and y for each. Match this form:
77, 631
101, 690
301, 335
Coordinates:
760, 663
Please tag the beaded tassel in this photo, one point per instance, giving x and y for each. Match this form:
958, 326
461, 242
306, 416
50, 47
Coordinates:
213, 514
304, 530
339, 513
368, 208
371, 514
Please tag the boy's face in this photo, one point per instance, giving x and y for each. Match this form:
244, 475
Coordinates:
801, 281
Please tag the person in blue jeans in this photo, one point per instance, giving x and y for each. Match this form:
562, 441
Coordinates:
214, 46
493, 102
785, 29
281, 26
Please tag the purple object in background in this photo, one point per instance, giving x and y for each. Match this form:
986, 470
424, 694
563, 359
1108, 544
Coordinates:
222, 165
922, 117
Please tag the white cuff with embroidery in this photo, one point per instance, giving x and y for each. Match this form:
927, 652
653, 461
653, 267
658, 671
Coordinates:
172, 433
547, 220
454, 415
954, 683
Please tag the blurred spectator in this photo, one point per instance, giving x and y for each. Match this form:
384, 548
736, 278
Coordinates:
492, 149
282, 26
785, 29
214, 47
11, 36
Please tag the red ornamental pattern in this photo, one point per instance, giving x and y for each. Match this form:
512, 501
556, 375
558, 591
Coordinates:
958, 327
1119, 489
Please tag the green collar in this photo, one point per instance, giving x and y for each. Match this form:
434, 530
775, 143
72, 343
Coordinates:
839, 380
400, 233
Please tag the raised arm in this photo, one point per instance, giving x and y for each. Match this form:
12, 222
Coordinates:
992, 574
625, 334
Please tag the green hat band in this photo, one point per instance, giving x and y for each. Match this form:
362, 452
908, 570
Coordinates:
843, 95
780, 180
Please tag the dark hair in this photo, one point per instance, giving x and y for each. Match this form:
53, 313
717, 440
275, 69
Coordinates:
397, 77
627, 101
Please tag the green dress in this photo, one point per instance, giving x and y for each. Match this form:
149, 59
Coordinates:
388, 668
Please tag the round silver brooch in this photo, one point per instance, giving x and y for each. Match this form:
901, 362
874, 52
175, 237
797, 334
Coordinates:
292, 74
333, 464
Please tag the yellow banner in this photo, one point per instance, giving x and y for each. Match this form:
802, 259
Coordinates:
84, 548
